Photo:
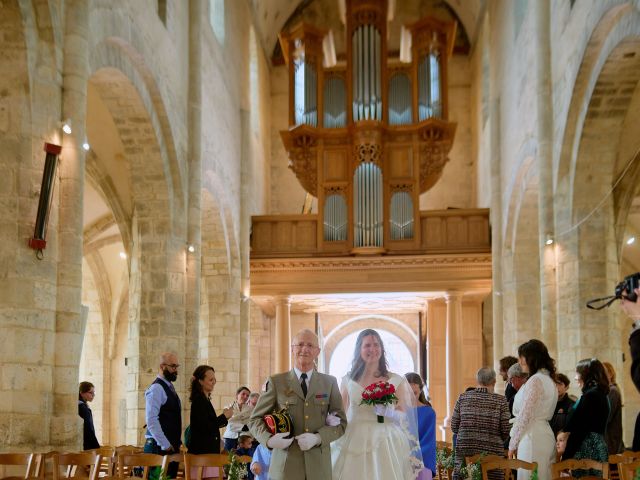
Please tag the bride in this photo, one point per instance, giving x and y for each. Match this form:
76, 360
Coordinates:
368, 449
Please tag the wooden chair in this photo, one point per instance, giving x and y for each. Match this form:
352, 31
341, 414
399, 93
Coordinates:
199, 462
78, 465
107, 460
179, 458
619, 458
574, 464
482, 458
507, 466
27, 460
128, 461
627, 470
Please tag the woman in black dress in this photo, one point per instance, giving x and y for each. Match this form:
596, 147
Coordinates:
205, 425
588, 419
86, 392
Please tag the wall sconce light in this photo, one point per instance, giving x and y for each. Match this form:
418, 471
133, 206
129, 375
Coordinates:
86, 146
549, 240
38, 242
631, 240
191, 248
123, 255
66, 126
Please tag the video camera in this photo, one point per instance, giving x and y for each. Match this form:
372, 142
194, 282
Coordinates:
625, 289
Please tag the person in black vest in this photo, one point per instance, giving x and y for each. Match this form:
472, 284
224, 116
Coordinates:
164, 420
86, 394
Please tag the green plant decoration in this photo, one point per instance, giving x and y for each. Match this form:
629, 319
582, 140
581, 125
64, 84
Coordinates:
235, 470
534, 474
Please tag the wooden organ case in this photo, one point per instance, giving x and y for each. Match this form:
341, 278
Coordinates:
369, 136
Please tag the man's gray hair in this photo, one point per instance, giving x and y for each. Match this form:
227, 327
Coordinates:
515, 370
486, 376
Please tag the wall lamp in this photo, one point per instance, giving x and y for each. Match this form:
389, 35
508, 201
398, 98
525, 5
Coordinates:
39, 242
66, 126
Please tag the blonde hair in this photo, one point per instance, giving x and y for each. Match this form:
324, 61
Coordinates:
611, 372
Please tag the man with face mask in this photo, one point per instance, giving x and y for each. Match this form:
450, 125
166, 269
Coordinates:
164, 420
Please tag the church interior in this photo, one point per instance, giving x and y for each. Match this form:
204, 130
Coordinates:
209, 177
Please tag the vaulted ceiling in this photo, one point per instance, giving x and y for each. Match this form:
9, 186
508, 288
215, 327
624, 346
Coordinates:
272, 15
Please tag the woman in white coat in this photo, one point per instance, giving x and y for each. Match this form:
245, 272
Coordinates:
532, 439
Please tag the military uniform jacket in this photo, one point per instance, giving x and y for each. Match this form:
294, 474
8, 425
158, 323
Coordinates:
308, 415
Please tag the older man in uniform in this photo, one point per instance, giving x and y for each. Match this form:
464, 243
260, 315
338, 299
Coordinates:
313, 400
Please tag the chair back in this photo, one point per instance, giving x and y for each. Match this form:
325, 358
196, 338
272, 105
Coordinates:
195, 464
567, 466
76, 465
482, 457
179, 459
507, 466
627, 470
28, 460
128, 461
107, 460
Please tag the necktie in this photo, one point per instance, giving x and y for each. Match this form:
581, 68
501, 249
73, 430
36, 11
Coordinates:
303, 384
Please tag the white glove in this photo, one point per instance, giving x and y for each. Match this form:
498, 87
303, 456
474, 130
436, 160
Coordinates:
388, 411
278, 441
307, 441
332, 420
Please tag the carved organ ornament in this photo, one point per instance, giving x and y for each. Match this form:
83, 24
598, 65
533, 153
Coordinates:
369, 136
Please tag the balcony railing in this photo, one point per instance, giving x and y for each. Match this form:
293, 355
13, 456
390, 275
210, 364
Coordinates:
441, 232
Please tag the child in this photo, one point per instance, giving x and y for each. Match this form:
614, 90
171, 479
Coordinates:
260, 463
561, 444
245, 447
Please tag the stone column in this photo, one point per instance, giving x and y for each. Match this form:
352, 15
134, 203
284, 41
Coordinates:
454, 313
496, 191
544, 121
69, 326
194, 215
283, 333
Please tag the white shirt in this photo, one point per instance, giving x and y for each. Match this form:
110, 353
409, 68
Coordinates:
299, 374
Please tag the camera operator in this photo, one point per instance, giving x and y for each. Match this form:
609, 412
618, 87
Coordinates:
632, 309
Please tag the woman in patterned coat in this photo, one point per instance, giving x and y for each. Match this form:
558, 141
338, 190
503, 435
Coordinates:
480, 420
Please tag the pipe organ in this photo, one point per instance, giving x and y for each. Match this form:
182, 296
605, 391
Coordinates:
370, 134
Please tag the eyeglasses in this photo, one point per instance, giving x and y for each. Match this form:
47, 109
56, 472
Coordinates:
302, 345
172, 365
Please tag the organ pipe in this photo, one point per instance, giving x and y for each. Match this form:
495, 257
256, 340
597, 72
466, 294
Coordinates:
401, 213
368, 206
367, 73
400, 99
335, 218
335, 101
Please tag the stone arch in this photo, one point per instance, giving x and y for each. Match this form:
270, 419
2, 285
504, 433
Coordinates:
592, 157
116, 55
360, 322
521, 279
156, 255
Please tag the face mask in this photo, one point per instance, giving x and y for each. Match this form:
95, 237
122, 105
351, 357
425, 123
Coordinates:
170, 376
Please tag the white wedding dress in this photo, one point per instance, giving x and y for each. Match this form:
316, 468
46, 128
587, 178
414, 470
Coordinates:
377, 451
531, 434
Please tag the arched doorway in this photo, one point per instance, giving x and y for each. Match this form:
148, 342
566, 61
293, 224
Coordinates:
399, 357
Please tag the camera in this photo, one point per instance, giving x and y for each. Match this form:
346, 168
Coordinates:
625, 289
629, 284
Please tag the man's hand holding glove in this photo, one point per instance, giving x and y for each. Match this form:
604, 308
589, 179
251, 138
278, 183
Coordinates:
307, 441
332, 420
279, 441
390, 412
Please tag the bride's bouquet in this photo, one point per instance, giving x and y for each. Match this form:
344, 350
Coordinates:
379, 393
